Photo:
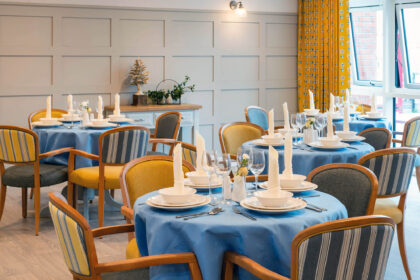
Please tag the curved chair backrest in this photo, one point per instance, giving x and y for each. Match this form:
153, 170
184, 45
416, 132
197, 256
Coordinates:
363, 108
411, 134
74, 236
123, 144
257, 115
378, 137
392, 167
37, 115
355, 248
147, 174
189, 152
353, 185
18, 144
233, 135
167, 125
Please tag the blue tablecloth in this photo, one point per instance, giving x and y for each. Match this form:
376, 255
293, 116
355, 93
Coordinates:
305, 161
360, 125
267, 240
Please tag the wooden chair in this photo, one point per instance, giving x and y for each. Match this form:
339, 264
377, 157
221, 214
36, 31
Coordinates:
233, 135
116, 147
189, 152
142, 176
363, 108
76, 240
331, 250
37, 115
394, 168
166, 131
259, 116
378, 137
353, 185
19, 147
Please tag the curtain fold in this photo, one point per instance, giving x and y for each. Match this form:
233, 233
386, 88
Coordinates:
323, 50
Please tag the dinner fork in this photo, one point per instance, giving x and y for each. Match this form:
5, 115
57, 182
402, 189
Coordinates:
212, 212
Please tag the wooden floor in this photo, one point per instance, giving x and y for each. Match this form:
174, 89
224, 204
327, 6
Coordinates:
26, 256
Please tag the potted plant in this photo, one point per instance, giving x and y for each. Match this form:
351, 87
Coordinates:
157, 96
139, 76
180, 89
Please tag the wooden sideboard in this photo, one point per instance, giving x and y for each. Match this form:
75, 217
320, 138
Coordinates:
147, 115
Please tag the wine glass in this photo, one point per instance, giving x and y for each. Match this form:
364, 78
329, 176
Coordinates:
223, 168
321, 122
294, 123
208, 162
257, 164
301, 122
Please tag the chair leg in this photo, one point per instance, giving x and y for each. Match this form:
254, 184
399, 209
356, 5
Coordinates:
31, 194
228, 270
24, 202
101, 202
71, 199
112, 192
2, 198
86, 203
401, 245
37, 202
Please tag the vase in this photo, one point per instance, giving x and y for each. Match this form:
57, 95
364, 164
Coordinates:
310, 135
169, 100
139, 91
239, 190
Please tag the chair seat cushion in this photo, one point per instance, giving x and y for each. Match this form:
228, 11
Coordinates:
22, 176
89, 177
388, 207
132, 251
135, 274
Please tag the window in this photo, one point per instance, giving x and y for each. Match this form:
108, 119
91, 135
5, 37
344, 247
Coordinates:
367, 46
409, 39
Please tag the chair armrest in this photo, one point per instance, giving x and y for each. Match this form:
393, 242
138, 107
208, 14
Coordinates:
127, 212
56, 152
83, 154
397, 133
112, 230
142, 262
250, 266
166, 141
396, 141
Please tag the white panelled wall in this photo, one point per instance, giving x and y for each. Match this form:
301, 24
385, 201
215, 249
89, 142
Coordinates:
234, 62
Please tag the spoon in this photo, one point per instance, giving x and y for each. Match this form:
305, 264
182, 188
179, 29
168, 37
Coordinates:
212, 212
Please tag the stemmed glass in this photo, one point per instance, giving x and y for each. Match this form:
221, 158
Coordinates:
321, 122
223, 167
209, 165
294, 123
257, 164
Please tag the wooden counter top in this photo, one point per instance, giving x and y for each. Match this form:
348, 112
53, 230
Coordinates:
147, 108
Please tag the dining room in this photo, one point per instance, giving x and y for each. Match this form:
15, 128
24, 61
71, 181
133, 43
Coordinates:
212, 139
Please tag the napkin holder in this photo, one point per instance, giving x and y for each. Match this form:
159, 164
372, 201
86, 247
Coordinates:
239, 191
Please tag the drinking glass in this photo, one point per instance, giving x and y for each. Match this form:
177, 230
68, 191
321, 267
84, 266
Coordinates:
321, 122
209, 165
223, 167
257, 164
301, 122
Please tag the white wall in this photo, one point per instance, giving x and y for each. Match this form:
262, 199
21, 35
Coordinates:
235, 62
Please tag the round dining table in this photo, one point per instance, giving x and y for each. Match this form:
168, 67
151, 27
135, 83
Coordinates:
305, 158
267, 240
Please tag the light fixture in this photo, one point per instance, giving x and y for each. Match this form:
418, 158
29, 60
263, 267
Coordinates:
238, 7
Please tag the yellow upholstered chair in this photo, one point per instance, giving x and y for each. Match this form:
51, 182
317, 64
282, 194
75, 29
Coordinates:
141, 176
37, 115
233, 135
363, 108
393, 168
116, 147
19, 147
76, 241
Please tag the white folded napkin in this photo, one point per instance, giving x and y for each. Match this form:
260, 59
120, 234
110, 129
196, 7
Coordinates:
271, 123
373, 107
332, 103
346, 126
100, 104
330, 130
288, 154
201, 150
311, 100
178, 173
70, 103
117, 111
286, 116
48, 110
273, 168
347, 95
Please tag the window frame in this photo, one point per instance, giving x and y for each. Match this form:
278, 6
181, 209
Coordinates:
353, 52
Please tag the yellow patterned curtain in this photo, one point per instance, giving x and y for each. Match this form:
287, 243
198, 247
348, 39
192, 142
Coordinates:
323, 50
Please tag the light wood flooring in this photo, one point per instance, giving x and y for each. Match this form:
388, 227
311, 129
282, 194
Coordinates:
26, 256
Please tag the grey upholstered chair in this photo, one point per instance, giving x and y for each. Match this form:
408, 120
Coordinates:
354, 248
394, 168
353, 185
166, 132
378, 137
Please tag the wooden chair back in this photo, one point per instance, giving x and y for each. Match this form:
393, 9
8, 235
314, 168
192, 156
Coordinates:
257, 115
378, 137
411, 133
18, 145
167, 125
233, 135
37, 115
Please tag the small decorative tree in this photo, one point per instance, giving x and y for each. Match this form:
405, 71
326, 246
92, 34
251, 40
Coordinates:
139, 75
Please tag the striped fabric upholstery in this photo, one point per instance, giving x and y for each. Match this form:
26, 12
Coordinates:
413, 134
393, 172
189, 155
354, 253
72, 241
17, 146
123, 146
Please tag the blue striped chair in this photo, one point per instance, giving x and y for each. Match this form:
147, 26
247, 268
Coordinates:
353, 248
76, 241
19, 148
394, 168
116, 147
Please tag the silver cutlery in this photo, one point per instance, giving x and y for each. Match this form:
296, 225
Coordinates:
238, 211
354, 148
310, 195
314, 206
198, 213
212, 212
313, 209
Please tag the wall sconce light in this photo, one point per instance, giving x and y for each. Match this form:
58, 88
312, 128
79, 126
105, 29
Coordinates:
238, 8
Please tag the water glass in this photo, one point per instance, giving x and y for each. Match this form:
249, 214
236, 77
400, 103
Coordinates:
209, 165
223, 168
257, 164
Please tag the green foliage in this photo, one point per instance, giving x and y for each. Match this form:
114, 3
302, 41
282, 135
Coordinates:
181, 88
157, 95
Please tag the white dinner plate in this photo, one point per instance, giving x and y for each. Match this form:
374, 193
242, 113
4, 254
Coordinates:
318, 145
303, 187
261, 142
218, 184
45, 125
154, 202
366, 117
99, 126
292, 204
122, 120
356, 138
